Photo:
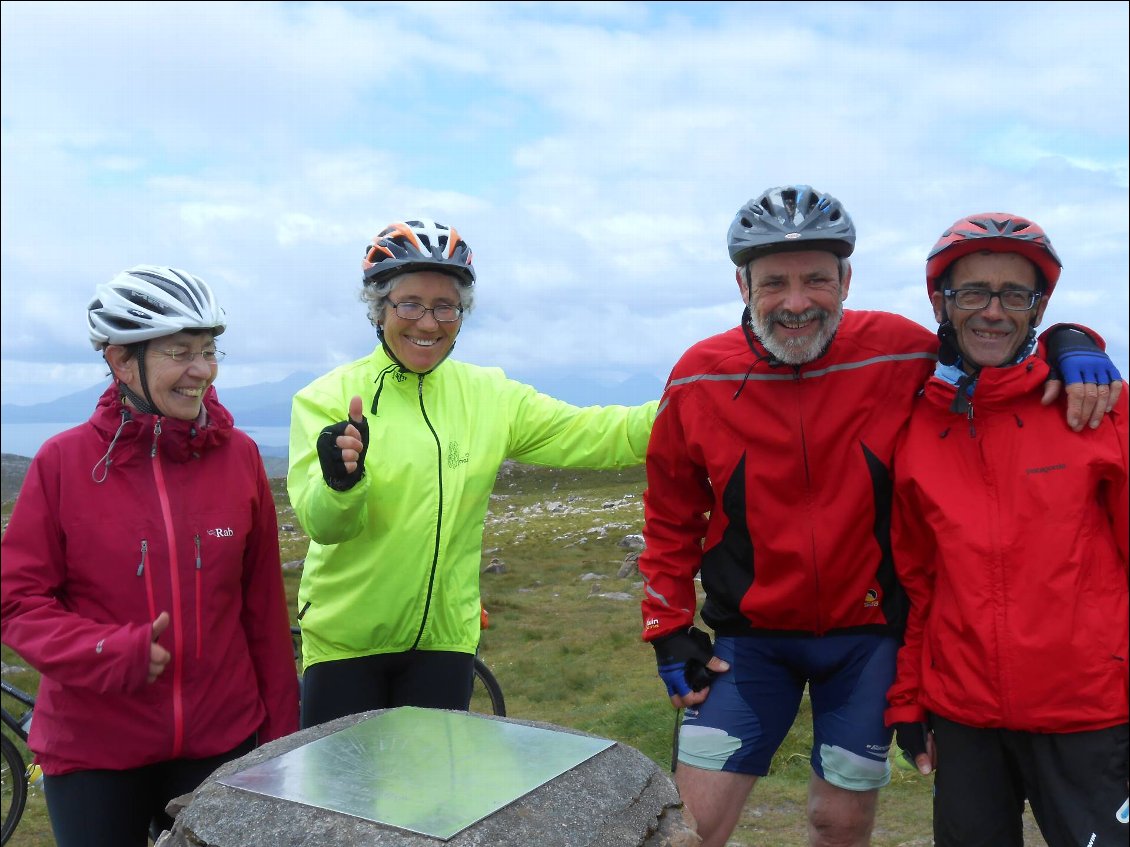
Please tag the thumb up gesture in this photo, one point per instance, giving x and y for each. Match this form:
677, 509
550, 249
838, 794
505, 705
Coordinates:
342, 447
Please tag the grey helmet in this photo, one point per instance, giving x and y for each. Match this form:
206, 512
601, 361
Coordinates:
791, 217
149, 301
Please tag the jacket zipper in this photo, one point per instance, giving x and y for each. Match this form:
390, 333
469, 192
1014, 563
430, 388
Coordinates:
818, 625
439, 515
177, 605
141, 570
199, 598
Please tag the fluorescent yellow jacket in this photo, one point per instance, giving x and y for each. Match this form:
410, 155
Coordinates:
394, 562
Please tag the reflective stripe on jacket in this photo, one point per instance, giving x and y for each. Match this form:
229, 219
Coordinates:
772, 482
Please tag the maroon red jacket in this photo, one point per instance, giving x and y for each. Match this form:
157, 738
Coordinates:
182, 522
1011, 541
773, 482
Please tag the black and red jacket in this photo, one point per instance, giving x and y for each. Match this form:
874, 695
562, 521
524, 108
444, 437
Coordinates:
773, 483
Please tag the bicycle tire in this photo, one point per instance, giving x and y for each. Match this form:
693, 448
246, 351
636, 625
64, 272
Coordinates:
485, 680
14, 787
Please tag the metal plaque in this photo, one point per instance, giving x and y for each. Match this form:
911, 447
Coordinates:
427, 771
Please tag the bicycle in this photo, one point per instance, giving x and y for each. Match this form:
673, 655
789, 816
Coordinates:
486, 693
15, 773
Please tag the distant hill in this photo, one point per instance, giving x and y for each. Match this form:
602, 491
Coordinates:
265, 404
13, 469
268, 403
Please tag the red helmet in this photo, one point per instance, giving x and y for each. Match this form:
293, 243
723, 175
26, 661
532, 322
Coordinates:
999, 232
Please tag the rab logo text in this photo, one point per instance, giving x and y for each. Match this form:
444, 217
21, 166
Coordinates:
220, 532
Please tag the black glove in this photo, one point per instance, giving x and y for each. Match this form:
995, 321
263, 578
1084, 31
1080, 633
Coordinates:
329, 455
911, 739
1073, 356
682, 658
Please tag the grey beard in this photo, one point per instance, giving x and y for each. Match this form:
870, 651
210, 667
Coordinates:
796, 351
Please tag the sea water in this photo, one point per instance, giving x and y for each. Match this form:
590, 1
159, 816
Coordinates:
25, 439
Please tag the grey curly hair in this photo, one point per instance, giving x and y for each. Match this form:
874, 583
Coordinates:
376, 296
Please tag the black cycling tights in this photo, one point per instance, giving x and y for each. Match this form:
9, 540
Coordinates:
426, 678
102, 808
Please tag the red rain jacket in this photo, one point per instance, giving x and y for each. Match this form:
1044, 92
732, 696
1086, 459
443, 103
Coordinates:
1012, 546
183, 522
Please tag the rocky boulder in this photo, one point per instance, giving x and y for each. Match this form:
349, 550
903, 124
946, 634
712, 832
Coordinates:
616, 798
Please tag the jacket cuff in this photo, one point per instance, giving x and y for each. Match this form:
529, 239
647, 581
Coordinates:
909, 713
1047, 333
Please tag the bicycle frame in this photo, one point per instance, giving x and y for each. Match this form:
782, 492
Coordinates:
15, 770
17, 725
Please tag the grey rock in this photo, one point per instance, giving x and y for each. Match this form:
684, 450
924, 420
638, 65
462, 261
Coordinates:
631, 542
631, 565
617, 798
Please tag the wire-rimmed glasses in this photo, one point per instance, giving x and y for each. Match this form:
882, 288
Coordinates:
443, 313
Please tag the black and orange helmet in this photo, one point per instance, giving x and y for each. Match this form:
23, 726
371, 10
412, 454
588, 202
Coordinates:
998, 232
418, 245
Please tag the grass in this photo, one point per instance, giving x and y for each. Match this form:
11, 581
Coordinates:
567, 655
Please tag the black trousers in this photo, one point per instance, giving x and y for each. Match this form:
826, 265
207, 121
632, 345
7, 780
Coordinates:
104, 808
1075, 782
430, 679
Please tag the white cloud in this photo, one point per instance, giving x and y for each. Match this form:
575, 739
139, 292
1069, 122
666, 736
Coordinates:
593, 154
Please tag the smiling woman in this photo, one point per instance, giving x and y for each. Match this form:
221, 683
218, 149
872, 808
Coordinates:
155, 521
392, 461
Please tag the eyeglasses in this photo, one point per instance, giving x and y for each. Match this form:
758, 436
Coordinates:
443, 313
973, 299
183, 357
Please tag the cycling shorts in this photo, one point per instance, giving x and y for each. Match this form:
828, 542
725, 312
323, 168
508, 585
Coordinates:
751, 707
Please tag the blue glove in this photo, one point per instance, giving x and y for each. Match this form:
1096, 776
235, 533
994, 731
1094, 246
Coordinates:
1075, 357
682, 658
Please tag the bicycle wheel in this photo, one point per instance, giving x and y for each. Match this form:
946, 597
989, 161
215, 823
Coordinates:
14, 787
486, 695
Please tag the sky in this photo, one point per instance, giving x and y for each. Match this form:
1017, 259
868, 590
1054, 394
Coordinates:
592, 155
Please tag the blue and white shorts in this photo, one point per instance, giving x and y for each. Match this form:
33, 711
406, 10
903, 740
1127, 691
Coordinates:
752, 706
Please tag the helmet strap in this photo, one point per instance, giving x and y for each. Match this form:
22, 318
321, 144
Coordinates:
751, 339
146, 406
948, 352
400, 364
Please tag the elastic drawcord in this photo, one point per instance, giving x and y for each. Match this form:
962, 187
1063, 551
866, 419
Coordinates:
106, 460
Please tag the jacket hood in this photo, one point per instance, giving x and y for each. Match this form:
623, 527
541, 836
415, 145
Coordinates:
180, 440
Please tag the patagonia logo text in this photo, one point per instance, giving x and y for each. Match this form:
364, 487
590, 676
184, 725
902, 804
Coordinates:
221, 532
1047, 469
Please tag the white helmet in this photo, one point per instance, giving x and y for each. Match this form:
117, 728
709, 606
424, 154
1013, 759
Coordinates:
149, 301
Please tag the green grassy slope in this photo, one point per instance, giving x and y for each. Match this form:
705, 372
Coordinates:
567, 654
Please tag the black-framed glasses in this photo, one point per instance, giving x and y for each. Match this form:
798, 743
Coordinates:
183, 357
443, 313
1012, 299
